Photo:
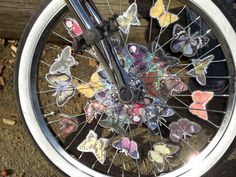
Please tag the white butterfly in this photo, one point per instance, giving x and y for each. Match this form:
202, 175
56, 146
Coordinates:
128, 18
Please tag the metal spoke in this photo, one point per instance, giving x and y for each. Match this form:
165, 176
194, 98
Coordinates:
62, 37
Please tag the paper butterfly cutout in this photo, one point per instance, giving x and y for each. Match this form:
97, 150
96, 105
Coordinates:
64, 62
113, 124
64, 90
93, 108
161, 152
135, 112
185, 42
68, 125
94, 145
157, 113
91, 88
170, 85
128, 19
72, 27
200, 69
164, 17
183, 127
200, 100
130, 148
139, 54
162, 59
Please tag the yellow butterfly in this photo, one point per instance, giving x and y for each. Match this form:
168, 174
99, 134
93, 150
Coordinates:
160, 154
91, 88
128, 18
164, 17
94, 145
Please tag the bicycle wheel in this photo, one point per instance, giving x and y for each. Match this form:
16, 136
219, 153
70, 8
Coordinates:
183, 61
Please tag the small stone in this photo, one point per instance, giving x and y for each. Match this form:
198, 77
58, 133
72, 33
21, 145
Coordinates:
4, 172
9, 122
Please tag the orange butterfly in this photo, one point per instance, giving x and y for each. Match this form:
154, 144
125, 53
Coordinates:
200, 100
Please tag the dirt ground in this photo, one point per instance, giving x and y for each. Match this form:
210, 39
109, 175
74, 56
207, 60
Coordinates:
18, 154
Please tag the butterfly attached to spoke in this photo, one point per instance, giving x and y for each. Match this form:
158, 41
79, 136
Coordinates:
113, 124
200, 69
164, 17
90, 89
161, 59
160, 155
185, 42
200, 100
130, 148
72, 27
68, 125
172, 84
64, 62
94, 145
183, 127
93, 108
128, 19
64, 89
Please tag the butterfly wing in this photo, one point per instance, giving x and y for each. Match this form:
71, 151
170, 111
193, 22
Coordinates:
167, 112
201, 41
56, 79
202, 97
133, 150
99, 150
176, 134
190, 48
63, 96
193, 128
72, 27
157, 159
180, 36
107, 123
96, 84
167, 18
89, 110
68, 125
89, 143
158, 9
131, 14
199, 110
86, 90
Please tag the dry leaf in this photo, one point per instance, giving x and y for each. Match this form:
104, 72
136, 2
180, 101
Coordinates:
9, 122
2, 83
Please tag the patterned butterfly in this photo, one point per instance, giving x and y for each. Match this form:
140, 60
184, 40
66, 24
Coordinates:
170, 85
91, 88
160, 154
157, 114
94, 145
64, 90
115, 125
164, 17
93, 108
185, 42
128, 18
200, 69
200, 100
183, 127
72, 27
130, 148
64, 62
139, 55
162, 59
68, 125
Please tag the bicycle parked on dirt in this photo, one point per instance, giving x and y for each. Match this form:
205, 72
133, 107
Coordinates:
139, 88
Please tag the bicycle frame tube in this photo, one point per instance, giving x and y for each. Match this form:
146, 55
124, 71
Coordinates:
104, 49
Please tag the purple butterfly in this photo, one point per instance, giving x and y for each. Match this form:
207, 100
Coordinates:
183, 127
170, 85
139, 54
130, 148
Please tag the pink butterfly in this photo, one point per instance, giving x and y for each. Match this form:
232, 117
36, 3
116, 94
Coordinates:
68, 125
200, 100
135, 112
73, 27
130, 148
93, 108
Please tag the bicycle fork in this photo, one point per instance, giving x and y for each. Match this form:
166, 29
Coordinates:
103, 47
